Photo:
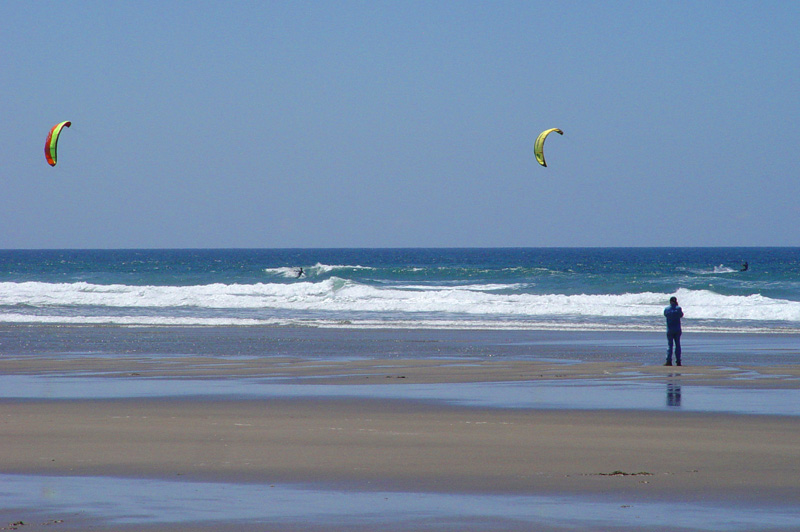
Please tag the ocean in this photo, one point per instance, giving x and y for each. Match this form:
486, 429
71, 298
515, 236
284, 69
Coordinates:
547, 289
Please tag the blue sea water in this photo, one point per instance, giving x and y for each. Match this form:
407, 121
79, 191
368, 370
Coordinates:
568, 289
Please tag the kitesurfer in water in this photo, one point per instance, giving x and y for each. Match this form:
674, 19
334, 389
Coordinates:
744, 266
673, 313
300, 273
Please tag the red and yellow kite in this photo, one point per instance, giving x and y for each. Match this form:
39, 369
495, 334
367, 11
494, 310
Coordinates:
51, 143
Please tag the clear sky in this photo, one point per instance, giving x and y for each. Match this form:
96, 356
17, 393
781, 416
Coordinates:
400, 124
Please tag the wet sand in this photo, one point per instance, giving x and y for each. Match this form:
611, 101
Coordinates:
371, 444
408, 447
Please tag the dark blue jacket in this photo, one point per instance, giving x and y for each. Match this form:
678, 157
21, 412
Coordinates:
674, 315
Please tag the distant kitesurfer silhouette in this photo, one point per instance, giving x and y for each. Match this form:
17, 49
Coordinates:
300, 273
744, 266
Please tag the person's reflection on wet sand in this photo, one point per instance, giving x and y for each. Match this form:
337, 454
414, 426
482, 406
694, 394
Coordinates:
674, 390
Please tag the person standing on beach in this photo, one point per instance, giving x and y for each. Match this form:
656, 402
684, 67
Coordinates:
673, 313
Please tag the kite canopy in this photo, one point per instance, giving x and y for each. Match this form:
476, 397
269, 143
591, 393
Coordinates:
538, 146
51, 143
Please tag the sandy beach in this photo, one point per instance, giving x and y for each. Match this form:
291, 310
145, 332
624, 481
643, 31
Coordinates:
372, 444
407, 447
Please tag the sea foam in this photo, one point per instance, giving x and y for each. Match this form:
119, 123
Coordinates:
336, 295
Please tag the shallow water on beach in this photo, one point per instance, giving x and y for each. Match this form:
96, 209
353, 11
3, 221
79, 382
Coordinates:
579, 394
149, 502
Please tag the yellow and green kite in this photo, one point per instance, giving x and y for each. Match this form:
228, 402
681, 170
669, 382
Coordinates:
538, 146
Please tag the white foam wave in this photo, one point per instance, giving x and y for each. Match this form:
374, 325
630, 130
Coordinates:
338, 295
328, 268
149, 321
288, 272
717, 270
430, 324
469, 287
291, 272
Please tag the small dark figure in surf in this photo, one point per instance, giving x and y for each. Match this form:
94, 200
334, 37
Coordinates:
673, 313
300, 272
744, 266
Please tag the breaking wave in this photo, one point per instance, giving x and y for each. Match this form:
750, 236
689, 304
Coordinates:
340, 302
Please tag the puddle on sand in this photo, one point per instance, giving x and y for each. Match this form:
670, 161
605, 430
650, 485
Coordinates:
152, 502
565, 394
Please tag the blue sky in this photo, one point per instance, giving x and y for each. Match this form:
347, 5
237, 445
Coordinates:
400, 124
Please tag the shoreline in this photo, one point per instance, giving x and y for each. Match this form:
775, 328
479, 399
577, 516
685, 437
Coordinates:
310, 343
283, 369
395, 444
